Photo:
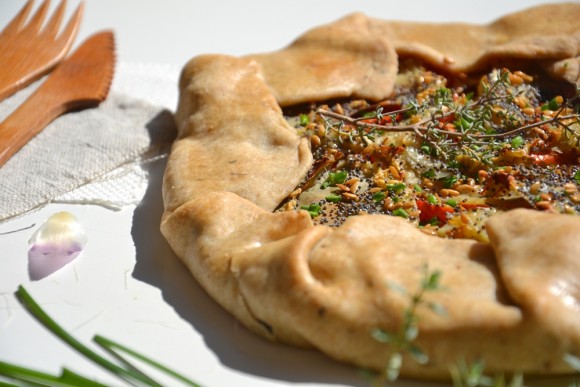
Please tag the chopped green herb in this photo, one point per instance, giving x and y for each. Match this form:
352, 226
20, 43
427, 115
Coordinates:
397, 188
304, 120
313, 209
434, 221
517, 142
432, 199
401, 212
551, 105
449, 181
428, 174
335, 178
333, 198
451, 202
379, 196
577, 176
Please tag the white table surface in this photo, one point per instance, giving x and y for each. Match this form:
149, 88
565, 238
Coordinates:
127, 284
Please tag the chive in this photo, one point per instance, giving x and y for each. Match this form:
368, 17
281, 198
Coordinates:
335, 178
333, 198
451, 202
397, 188
129, 373
66, 379
517, 142
428, 174
431, 199
304, 120
56, 329
401, 212
577, 177
553, 104
449, 181
417, 188
340, 177
379, 196
313, 209
113, 348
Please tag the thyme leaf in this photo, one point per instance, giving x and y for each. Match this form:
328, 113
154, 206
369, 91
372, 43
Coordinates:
402, 341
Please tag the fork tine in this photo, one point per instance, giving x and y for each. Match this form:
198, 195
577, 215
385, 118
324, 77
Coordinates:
18, 20
38, 18
48, 47
69, 33
53, 25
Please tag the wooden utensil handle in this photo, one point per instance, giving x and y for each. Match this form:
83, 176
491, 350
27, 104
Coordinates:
24, 123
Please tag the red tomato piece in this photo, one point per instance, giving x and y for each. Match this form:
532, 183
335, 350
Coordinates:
430, 211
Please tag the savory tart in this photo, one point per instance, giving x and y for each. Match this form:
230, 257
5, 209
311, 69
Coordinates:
388, 195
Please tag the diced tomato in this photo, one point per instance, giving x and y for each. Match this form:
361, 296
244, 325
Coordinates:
552, 158
544, 159
447, 119
430, 211
370, 121
386, 120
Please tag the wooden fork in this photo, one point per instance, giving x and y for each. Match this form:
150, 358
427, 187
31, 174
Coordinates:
81, 80
27, 52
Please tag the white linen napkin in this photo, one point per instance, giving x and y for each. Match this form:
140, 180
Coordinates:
94, 155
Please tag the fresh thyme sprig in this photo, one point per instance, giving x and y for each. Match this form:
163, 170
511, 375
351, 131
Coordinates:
473, 375
402, 341
423, 130
477, 124
462, 374
125, 370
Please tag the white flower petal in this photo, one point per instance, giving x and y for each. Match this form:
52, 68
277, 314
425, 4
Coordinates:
55, 243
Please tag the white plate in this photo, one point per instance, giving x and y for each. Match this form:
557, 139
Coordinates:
127, 285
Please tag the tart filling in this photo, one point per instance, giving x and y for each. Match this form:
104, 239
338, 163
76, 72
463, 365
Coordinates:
444, 156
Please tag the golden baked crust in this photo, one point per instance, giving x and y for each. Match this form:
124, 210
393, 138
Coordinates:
508, 302
549, 32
